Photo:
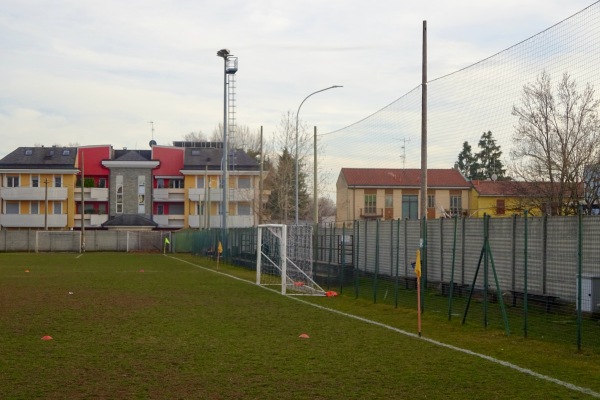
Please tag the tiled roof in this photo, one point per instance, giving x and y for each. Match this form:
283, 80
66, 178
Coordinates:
130, 220
41, 158
517, 188
132, 155
379, 177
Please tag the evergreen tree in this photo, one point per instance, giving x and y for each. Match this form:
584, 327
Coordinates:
489, 164
467, 162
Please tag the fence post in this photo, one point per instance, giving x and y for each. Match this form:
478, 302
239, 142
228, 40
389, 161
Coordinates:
525, 273
356, 267
579, 278
376, 274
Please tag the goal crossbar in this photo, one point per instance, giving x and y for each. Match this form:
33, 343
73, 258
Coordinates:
286, 260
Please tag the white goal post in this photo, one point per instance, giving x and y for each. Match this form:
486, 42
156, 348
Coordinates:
284, 259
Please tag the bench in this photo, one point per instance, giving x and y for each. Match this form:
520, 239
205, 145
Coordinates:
546, 299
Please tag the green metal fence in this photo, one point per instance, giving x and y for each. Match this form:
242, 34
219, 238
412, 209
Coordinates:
533, 277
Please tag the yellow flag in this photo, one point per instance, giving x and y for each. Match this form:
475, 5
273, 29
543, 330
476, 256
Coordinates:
418, 264
167, 241
220, 248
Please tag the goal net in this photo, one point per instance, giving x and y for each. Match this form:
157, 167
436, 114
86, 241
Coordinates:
47, 241
284, 259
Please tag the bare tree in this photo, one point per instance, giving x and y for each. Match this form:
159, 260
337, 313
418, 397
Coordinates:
556, 137
195, 137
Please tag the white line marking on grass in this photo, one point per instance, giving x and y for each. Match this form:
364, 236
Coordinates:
79, 256
415, 336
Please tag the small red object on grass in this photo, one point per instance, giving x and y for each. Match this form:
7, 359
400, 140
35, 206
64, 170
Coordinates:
331, 293
141, 270
304, 336
46, 337
26, 270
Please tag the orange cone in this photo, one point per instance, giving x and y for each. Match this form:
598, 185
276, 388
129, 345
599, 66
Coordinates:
46, 337
304, 336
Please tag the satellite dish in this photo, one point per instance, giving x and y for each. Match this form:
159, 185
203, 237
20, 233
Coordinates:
494, 177
152, 143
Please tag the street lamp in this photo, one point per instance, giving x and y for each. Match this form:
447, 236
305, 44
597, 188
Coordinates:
297, 113
230, 68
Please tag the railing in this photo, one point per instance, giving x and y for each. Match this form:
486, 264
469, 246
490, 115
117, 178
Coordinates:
33, 220
91, 194
169, 221
168, 194
33, 193
371, 212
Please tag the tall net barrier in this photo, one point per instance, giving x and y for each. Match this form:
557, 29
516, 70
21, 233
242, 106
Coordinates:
462, 105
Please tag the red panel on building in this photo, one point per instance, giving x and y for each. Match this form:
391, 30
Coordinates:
171, 160
92, 157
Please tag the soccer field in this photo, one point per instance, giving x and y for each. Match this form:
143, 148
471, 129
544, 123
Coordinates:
174, 327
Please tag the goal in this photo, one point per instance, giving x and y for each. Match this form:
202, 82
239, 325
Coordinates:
284, 259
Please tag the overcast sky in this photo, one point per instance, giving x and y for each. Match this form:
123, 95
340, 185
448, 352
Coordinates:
96, 72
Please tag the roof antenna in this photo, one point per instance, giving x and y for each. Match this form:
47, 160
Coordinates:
152, 142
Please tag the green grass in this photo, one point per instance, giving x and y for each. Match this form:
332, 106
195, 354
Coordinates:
177, 331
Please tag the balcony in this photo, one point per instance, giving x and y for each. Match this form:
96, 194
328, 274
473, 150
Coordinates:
176, 195
33, 220
91, 220
235, 195
234, 221
92, 194
33, 193
169, 221
371, 213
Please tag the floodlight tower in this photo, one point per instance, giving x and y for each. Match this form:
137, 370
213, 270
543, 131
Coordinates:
230, 68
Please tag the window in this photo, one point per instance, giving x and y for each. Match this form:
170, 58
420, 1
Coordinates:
57, 207
34, 207
244, 183
102, 182
35, 181
12, 207
176, 209
141, 209
244, 209
28, 152
160, 183
160, 209
200, 182
370, 203
12, 181
500, 207
66, 152
389, 200
430, 201
455, 205
410, 206
102, 208
58, 181
176, 183
195, 152
119, 194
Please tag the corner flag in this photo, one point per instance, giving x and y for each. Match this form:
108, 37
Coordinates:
220, 248
167, 241
418, 264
